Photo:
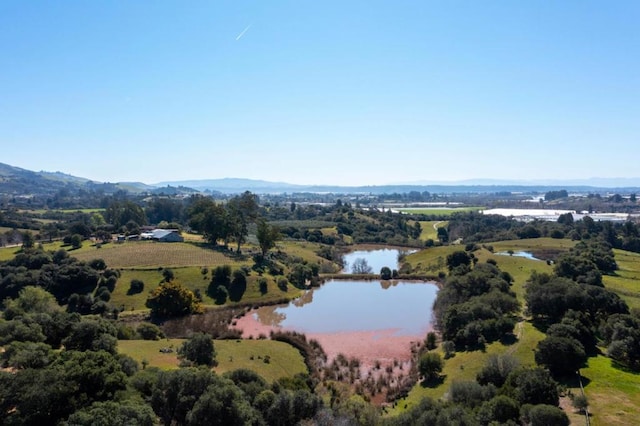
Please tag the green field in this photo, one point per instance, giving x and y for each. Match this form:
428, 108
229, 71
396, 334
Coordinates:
626, 280
193, 279
141, 254
429, 229
284, 360
613, 394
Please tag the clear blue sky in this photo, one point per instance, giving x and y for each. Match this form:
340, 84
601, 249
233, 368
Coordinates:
321, 92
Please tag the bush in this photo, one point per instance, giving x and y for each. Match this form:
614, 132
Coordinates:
561, 355
172, 299
385, 273
544, 415
168, 275
283, 283
135, 287
430, 366
198, 350
150, 331
263, 284
432, 340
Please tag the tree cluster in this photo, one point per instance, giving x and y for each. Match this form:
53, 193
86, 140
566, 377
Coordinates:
503, 393
475, 306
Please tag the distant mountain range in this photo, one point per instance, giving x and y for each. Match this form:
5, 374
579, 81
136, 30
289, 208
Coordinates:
18, 181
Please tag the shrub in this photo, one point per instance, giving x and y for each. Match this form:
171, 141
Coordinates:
430, 366
263, 284
136, 286
198, 350
149, 331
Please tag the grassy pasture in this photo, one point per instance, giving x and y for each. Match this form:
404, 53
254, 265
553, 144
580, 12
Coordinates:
144, 254
613, 394
626, 280
429, 229
284, 359
189, 273
193, 279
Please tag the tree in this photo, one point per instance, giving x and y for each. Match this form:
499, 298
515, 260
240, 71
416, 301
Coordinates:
209, 218
76, 241
385, 273
443, 235
563, 356
171, 300
430, 366
175, 392
223, 404
534, 386
27, 240
243, 210
198, 350
546, 415
31, 300
497, 369
135, 286
22, 355
92, 335
118, 213
96, 376
149, 331
580, 402
458, 258
111, 413
360, 266
267, 236
168, 274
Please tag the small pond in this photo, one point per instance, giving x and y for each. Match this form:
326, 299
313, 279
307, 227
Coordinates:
524, 254
374, 321
345, 306
376, 259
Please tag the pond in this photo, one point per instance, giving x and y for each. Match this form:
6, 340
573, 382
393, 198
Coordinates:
376, 259
340, 306
524, 254
371, 320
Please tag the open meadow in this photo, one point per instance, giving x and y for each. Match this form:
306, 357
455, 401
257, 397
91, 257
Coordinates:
269, 358
145, 254
626, 279
430, 229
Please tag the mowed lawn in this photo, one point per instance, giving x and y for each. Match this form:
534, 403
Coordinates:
282, 359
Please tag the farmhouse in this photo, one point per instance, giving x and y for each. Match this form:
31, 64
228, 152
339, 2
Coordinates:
163, 235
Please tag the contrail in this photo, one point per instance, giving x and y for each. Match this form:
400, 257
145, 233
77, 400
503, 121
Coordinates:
243, 31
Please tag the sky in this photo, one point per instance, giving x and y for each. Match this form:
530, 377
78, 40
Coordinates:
321, 92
